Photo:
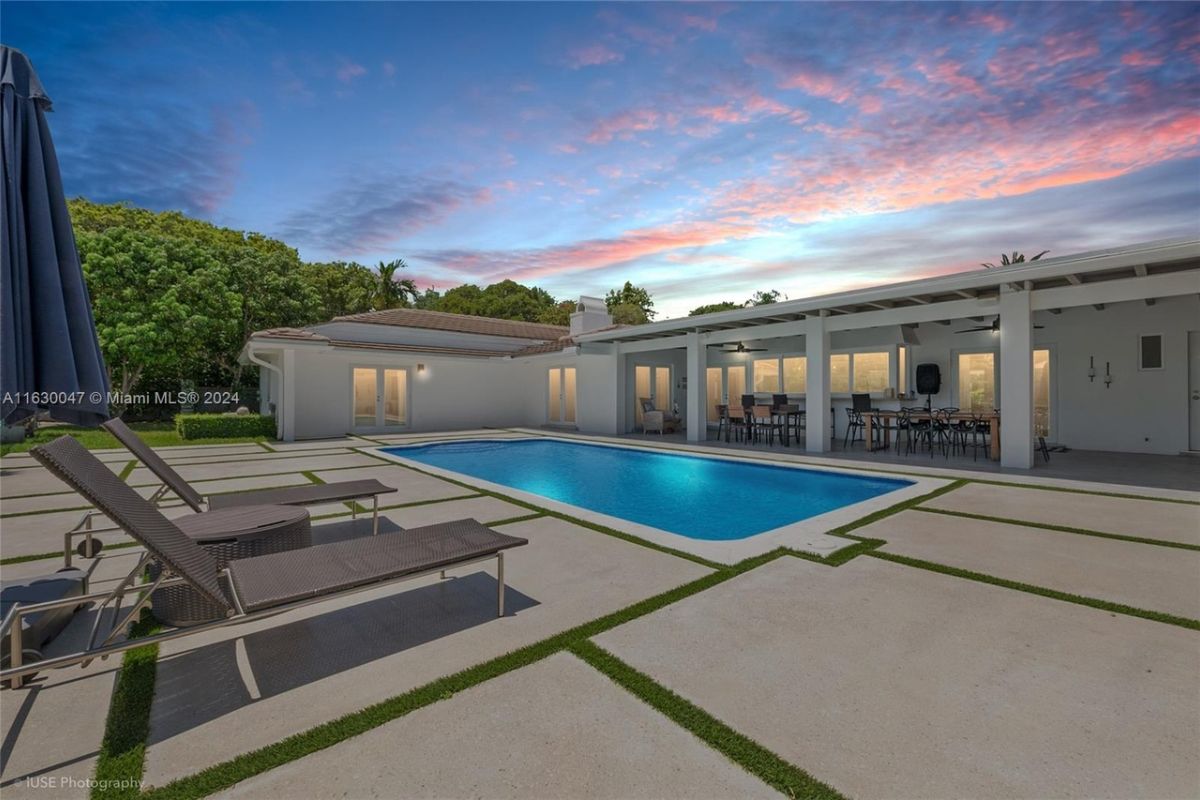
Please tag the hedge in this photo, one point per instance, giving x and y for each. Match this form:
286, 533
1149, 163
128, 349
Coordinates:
223, 426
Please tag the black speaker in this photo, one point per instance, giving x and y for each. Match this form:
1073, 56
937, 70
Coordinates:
929, 379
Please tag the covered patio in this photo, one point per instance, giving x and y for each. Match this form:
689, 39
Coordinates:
1092, 353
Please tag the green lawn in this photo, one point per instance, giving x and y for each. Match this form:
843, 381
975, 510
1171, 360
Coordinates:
155, 434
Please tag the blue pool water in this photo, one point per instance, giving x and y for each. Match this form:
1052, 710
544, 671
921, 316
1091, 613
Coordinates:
696, 497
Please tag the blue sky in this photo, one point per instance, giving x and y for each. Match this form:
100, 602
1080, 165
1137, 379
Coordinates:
705, 151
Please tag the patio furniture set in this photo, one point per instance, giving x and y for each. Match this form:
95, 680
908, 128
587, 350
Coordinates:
239, 557
755, 421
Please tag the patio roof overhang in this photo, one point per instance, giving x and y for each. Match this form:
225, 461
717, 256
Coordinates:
1138, 272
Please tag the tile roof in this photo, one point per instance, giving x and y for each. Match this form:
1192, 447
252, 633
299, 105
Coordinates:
461, 323
299, 334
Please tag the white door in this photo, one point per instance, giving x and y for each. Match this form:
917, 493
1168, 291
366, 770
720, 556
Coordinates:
380, 398
1194, 390
560, 399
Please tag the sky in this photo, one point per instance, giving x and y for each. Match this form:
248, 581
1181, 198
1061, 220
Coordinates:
704, 151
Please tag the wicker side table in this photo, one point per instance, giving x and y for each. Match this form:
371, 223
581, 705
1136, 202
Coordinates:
229, 534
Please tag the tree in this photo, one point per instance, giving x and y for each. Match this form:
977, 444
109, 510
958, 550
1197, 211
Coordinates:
465, 299
628, 314
712, 308
1016, 258
393, 291
557, 314
341, 288
631, 295
159, 302
762, 298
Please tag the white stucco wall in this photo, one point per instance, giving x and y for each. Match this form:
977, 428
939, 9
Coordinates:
450, 394
1142, 411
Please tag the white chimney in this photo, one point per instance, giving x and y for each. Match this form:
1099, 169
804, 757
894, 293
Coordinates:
590, 314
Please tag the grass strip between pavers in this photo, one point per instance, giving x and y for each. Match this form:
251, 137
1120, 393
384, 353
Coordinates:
1050, 526
247, 765
59, 554
122, 758
738, 748
512, 520
1042, 591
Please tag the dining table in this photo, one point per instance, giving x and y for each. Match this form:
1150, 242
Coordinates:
883, 415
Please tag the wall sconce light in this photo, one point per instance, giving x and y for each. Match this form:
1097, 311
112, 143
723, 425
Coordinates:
420, 368
1107, 376
1092, 369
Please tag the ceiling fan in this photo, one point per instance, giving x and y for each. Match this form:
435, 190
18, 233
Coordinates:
994, 327
741, 348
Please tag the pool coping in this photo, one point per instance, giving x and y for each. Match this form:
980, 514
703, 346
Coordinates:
806, 535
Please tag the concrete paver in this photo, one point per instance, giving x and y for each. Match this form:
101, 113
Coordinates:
1147, 576
551, 730
893, 682
263, 466
1149, 519
314, 664
411, 486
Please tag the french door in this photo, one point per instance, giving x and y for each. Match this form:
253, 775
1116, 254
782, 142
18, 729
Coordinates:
653, 382
380, 398
725, 384
560, 389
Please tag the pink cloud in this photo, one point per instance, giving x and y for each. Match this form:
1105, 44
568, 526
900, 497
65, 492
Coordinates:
631, 245
818, 85
593, 56
389, 69
1138, 58
623, 125
951, 74
983, 157
993, 22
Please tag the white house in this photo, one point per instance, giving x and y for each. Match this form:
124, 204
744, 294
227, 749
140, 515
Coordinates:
1098, 351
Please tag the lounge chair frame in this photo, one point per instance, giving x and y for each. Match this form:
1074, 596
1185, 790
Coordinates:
14, 675
154, 462
66, 458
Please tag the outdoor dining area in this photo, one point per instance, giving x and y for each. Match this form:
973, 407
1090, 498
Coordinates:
912, 430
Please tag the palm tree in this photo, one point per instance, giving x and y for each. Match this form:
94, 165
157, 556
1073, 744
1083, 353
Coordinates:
1016, 258
393, 292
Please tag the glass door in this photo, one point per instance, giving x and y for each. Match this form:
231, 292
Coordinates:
726, 385
1041, 393
560, 407
653, 382
380, 398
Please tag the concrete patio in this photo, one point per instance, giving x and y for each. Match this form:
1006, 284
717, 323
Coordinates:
878, 678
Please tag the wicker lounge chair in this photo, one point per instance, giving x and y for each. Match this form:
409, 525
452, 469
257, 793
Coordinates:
313, 494
245, 589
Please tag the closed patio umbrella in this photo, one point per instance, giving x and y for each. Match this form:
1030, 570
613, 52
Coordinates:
49, 354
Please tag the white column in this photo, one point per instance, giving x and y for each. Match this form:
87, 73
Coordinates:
287, 397
1016, 378
816, 403
697, 388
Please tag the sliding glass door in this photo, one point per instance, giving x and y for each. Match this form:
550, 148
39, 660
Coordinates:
380, 398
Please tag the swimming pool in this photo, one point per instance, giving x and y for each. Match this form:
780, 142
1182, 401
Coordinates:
693, 496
